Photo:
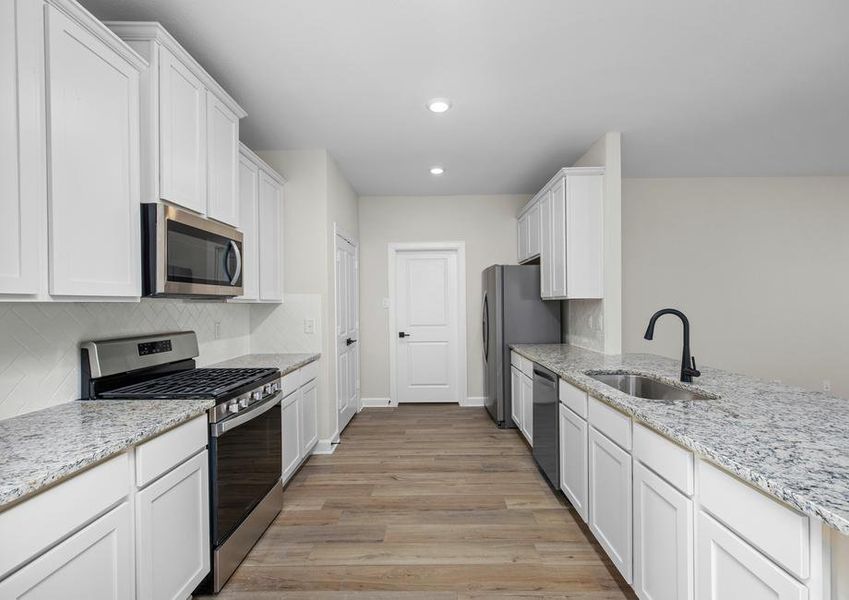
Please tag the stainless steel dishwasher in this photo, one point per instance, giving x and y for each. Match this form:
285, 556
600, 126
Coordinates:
546, 425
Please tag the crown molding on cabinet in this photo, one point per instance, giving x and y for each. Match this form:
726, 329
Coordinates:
269, 170
154, 31
557, 176
88, 21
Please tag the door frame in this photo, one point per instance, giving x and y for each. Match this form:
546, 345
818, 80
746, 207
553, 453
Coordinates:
339, 232
459, 248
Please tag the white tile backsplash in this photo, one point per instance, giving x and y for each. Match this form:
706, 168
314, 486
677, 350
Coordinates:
39, 342
280, 327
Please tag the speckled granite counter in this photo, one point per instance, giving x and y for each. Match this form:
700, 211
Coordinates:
285, 362
790, 442
40, 448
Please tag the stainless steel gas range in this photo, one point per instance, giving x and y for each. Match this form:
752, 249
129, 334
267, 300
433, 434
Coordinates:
245, 445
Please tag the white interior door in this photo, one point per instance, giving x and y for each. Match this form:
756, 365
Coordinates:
427, 306
347, 330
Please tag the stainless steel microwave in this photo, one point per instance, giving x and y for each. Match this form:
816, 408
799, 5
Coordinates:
185, 255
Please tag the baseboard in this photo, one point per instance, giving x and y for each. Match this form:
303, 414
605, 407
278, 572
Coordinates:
376, 403
474, 401
325, 447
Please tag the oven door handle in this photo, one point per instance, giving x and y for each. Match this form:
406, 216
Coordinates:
219, 429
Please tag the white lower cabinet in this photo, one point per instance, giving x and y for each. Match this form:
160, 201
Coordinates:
610, 500
663, 539
528, 408
172, 532
516, 396
727, 567
309, 415
573, 460
291, 434
95, 563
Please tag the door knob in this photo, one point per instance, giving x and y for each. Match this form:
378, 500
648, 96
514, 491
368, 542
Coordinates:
403, 334
349, 341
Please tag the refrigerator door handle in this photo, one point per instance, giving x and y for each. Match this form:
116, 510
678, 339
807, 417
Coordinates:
485, 328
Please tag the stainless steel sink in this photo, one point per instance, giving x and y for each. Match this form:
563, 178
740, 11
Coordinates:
649, 388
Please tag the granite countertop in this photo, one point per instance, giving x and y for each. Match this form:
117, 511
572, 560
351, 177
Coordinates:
285, 362
789, 442
40, 448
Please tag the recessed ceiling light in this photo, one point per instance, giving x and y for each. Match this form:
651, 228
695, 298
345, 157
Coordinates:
437, 170
439, 105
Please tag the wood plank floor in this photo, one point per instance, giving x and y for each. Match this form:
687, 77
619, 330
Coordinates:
425, 502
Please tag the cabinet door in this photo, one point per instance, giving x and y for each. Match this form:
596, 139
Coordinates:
182, 134
523, 235
93, 178
584, 236
21, 187
610, 500
663, 539
573, 460
727, 567
95, 563
545, 256
309, 417
172, 531
533, 230
528, 408
222, 141
291, 434
558, 239
270, 239
249, 224
516, 396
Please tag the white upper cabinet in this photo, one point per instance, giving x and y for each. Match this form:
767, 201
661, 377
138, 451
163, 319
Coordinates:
261, 222
270, 238
182, 137
222, 160
563, 226
22, 176
190, 128
249, 224
93, 139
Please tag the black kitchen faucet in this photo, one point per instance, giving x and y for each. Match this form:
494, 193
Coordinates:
688, 363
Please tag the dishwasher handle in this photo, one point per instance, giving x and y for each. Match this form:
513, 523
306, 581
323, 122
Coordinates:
546, 379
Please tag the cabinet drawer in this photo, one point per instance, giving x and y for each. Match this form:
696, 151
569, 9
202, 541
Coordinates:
574, 397
611, 422
35, 524
666, 458
290, 382
775, 529
164, 452
309, 372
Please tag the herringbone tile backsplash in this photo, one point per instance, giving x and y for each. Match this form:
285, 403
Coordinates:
39, 342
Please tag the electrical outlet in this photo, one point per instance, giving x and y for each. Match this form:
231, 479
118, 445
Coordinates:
386, 303
216, 332
309, 325
826, 385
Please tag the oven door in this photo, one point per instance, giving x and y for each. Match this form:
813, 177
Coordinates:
245, 462
188, 255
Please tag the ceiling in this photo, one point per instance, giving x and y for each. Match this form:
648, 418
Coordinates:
697, 88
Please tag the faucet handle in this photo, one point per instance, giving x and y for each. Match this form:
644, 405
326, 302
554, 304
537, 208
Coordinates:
694, 371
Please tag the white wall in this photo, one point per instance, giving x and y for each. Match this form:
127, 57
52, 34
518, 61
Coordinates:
758, 265
487, 224
39, 342
317, 195
597, 324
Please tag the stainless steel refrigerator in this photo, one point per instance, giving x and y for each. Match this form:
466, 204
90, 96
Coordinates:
513, 313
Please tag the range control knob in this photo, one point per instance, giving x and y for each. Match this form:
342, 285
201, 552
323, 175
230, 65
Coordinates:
243, 403
256, 395
233, 407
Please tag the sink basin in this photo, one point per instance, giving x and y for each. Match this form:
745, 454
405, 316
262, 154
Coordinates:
647, 387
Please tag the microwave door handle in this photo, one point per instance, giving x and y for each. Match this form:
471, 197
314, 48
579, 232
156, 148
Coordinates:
238, 253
